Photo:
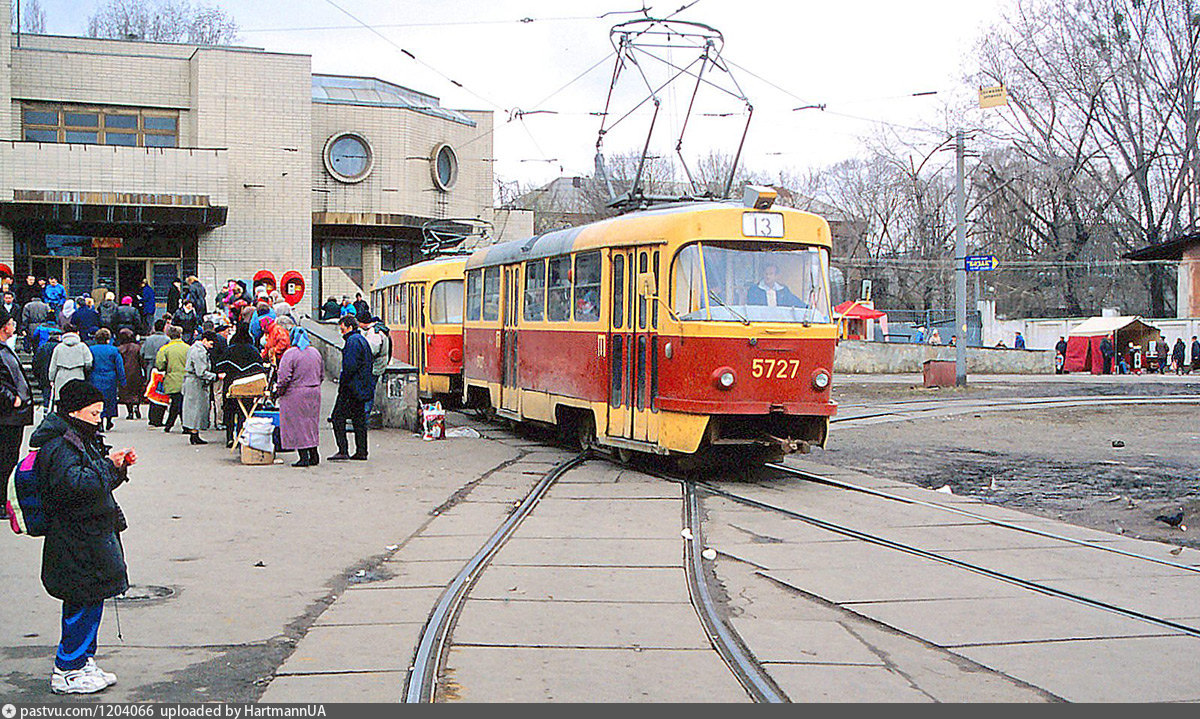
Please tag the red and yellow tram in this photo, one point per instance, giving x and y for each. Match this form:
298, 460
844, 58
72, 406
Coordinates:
422, 305
674, 330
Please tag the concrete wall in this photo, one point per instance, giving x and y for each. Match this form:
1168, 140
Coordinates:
402, 142
862, 357
1188, 293
257, 106
7, 130
112, 169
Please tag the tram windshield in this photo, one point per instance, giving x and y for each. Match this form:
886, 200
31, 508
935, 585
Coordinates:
736, 282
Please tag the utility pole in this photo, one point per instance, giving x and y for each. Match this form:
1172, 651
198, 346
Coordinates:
960, 267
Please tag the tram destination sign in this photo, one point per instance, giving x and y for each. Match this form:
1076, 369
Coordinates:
980, 263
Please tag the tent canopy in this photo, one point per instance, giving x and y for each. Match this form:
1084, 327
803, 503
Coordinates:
851, 311
1101, 326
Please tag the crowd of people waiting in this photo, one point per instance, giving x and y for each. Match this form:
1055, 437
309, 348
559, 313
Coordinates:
92, 354
200, 352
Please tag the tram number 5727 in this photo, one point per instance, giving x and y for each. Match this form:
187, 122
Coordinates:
777, 369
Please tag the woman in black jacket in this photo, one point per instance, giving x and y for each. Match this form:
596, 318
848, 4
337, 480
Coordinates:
82, 560
240, 359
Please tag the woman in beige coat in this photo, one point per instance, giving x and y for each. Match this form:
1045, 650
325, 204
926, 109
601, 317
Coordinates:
71, 359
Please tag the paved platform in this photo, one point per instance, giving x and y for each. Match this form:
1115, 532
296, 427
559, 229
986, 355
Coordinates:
313, 584
1066, 649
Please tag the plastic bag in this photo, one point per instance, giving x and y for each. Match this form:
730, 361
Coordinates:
433, 421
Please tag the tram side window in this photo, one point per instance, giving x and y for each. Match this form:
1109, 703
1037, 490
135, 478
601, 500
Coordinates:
535, 291
558, 298
491, 294
587, 287
447, 303
402, 304
618, 307
474, 296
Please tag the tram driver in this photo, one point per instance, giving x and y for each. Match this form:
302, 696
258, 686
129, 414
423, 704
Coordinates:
770, 292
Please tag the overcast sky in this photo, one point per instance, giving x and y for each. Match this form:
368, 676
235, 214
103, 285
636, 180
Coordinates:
859, 57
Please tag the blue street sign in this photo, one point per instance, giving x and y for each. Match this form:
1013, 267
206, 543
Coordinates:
981, 263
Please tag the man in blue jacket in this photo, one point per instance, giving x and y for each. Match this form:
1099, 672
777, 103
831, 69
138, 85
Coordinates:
149, 304
355, 389
54, 294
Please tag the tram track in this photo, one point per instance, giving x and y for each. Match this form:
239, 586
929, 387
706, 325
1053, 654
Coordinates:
877, 540
421, 682
849, 486
903, 411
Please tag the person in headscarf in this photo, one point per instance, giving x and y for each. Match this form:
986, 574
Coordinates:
108, 373
298, 389
66, 312
277, 339
127, 317
134, 385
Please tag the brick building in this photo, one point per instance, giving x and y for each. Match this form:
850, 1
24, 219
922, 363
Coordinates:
126, 159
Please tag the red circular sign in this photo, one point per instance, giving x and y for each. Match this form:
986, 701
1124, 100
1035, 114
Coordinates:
264, 278
292, 284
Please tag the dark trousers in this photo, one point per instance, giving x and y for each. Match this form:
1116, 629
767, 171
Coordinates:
354, 410
175, 411
80, 625
233, 418
10, 454
156, 412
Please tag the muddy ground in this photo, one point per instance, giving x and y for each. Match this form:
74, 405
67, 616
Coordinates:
1059, 463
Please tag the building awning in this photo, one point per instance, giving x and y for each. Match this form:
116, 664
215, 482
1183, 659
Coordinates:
850, 310
15, 215
1172, 250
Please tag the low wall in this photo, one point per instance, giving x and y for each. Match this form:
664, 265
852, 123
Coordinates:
862, 357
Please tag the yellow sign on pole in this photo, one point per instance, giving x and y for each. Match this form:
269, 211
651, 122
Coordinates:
993, 96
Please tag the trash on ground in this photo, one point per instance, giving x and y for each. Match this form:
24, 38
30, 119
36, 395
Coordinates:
686, 533
462, 432
1118, 443
433, 421
709, 554
945, 489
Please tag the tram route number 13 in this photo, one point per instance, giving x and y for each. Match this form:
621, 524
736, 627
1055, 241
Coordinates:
762, 224
777, 369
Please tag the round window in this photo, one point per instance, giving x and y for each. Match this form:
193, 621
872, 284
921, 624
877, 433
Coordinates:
348, 157
445, 167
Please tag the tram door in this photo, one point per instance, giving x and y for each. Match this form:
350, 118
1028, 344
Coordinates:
416, 334
633, 345
510, 390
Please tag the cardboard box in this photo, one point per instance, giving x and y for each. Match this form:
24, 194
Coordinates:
252, 386
251, 455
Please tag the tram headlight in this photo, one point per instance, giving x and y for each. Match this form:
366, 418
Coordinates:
724, 378
820, 380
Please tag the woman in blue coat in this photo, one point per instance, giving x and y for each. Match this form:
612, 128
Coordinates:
108, 373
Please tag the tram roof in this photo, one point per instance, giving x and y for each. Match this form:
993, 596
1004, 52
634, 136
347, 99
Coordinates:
645, 227
428, 270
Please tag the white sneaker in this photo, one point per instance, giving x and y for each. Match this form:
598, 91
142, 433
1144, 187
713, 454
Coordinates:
76, 681
108, 677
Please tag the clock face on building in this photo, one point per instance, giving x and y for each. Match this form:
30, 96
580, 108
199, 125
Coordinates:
348, 157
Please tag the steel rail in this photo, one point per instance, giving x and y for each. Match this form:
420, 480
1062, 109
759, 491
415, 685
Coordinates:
960, 564
819, 479
421, 680
737, 656
998, 405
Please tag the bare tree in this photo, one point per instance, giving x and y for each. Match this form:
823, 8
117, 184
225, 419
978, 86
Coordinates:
1103, 111
163, 21
31, 15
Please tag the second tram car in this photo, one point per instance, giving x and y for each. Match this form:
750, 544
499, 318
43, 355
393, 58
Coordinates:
422, 305
675, 330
